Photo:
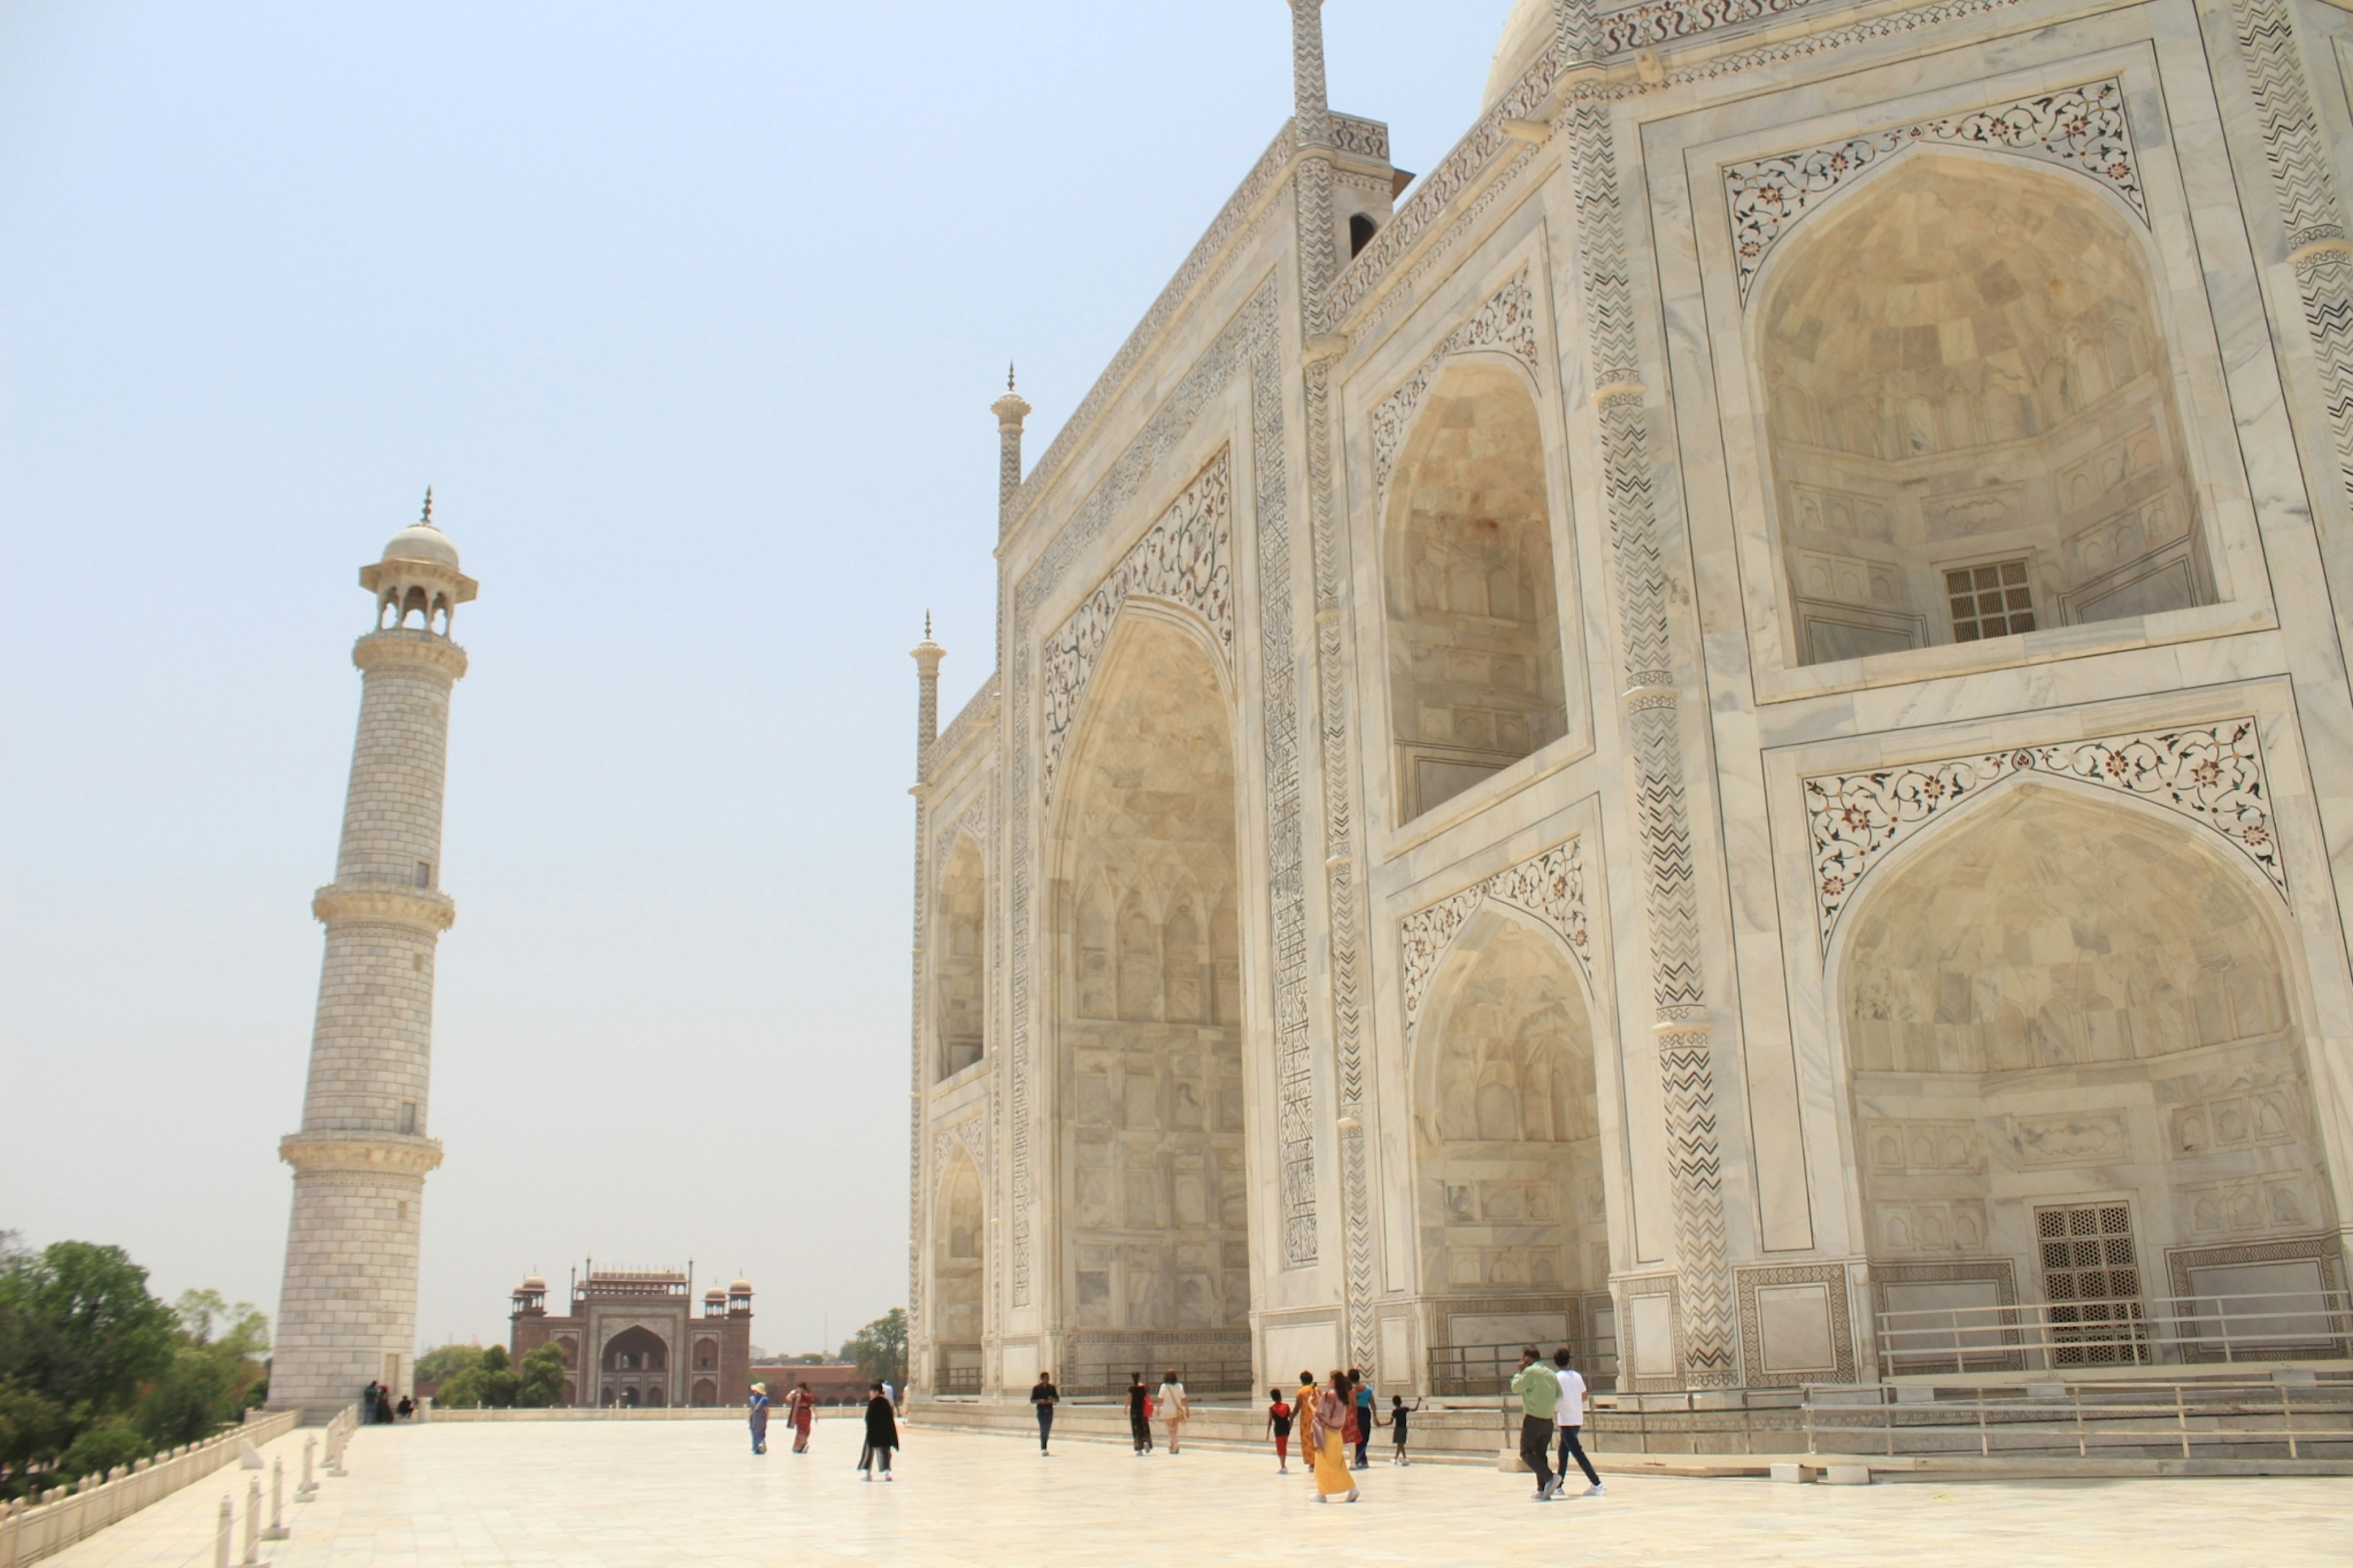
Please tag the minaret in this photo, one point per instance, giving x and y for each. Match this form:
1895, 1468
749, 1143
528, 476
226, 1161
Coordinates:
1010, 411
927, 655
348, 1313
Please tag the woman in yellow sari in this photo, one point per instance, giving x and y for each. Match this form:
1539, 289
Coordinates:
1328, 1419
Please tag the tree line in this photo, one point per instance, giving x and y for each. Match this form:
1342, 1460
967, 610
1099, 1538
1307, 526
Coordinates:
96, 1371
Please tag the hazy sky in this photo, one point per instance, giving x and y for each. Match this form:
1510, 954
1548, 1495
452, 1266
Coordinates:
691, 314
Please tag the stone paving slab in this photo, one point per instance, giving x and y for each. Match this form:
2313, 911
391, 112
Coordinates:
630, 1495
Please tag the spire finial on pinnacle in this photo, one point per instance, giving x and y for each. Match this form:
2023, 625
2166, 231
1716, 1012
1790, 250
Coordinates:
426, 521
927, 626
1009, 376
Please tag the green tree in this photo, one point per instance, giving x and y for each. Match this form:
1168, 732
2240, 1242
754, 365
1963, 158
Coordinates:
78, 1329
879, 1349
445, 1362
490, 1382
542, 1378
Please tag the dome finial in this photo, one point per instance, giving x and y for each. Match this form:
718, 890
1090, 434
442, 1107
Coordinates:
426, 521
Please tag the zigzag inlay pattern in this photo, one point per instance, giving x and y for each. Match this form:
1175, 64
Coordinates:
1679, 988
2308, 205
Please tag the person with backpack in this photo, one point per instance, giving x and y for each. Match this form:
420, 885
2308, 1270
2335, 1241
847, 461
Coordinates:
758, 1406
1278, 1426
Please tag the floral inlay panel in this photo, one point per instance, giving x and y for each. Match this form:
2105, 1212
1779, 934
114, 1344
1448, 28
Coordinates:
2211, 774
1185, 558
1550, 886
2080, 128
1506, 323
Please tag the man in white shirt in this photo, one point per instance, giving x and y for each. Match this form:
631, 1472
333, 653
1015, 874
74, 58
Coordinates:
1569, 1416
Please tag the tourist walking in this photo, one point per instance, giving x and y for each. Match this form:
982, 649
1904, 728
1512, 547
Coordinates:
1303, 1410
757, 1404
1174, 1407
1569, 1416
1398, 1411
1326, 1433
1139, 1413
800, 1409
1539, 1392
882, 1435
1278, 1426
1361, 1394
1044, 1397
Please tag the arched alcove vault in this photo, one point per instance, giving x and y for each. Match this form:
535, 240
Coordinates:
1474, 615
958, 1237
1152, 1178
1508, 1202
1971, 415
960, 982
2077, 1075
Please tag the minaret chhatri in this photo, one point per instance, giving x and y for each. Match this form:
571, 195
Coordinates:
348, 1313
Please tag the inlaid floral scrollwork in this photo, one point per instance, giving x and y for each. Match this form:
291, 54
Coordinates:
1185, 558
1550, 886
2211, 774
2081, 128
1506, 323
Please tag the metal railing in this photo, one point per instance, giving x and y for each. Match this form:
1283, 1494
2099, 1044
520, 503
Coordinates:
2069, 1336
1466, 1372
1203, 1376
2293, 1419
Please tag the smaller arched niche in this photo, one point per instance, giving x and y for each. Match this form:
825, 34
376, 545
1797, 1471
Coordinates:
960, 978
1507, 1135
1970, 414
1474, 645
956, 1248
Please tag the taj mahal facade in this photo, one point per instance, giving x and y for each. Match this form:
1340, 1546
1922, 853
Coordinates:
1717, 731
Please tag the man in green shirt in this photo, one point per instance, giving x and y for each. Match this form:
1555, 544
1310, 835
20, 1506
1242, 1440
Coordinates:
1539, 1392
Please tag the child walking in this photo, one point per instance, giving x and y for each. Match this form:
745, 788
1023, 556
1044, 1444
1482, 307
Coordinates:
1278, 1426
1398, 1411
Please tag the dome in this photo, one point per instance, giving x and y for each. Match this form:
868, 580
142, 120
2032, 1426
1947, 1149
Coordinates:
422, 541
533, 1285
1525, 35
741, 1287
715, 1294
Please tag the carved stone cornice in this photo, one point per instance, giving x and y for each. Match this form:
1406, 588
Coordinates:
380, 1153
407, 646
420, 909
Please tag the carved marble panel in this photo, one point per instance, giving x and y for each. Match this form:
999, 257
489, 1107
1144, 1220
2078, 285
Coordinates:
2210, 773
2081, 128
1549, 886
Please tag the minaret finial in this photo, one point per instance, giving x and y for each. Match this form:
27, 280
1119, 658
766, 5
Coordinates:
426, 521
927, 626
1009, 376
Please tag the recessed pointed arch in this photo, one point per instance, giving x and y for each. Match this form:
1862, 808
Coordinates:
959, 1236
1965, 365
2073, 1033
1475, 672
961, 966
1151, 1181
1509, 1196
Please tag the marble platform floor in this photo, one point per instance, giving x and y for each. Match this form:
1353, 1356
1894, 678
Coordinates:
639, 1494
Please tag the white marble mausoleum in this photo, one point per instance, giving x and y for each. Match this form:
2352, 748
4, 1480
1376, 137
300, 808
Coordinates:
1717, 731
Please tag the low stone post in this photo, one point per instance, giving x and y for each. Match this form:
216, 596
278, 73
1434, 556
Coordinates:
253, 1521
277, 1531
220, 1535
309, 1487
